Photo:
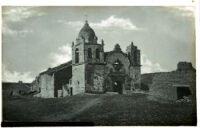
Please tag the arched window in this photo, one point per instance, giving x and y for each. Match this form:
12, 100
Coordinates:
97, 53
76, 55
89, 53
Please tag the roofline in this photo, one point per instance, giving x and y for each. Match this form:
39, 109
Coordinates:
13, 82
57, 68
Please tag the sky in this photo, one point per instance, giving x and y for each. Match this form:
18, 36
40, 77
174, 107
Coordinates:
36, 38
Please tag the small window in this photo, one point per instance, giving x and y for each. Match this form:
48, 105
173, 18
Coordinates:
97, 53
89, 53
77, 56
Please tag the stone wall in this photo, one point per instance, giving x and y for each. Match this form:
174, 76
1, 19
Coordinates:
78, 79
112, 74
135, 75
112, 57
164, 85
146, 81
35, 85
184, 66
94, 78
47, 86
133, 55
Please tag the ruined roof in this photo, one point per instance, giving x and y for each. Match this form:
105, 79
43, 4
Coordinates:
57, 68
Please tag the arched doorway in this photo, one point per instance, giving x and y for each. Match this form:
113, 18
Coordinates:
115, 83
117, 87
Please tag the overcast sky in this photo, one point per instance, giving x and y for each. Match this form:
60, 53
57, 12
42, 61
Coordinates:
36, 38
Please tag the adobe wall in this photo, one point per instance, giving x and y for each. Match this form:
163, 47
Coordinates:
110, 59
146, 81
78, 79
111, 74
47, 86
163, 84
35, 84
184, 66
95, 78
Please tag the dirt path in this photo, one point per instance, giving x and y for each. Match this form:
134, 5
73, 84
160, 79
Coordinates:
76, 110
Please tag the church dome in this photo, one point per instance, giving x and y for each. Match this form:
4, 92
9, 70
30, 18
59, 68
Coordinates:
87, 33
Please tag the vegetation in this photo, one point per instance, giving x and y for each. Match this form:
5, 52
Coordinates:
102, 109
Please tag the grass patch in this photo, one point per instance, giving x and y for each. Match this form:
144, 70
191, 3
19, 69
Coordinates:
113, 110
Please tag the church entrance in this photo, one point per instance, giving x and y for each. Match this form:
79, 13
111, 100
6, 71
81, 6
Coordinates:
117, 87
116, 84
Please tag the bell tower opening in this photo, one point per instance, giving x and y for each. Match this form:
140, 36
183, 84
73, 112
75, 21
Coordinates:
76, 55
97, 53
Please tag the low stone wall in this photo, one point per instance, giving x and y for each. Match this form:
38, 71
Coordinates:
164, 84
147, 80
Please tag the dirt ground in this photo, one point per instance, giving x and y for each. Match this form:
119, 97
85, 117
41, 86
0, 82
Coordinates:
102, 109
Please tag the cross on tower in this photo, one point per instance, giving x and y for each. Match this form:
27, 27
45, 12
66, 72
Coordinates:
86, 17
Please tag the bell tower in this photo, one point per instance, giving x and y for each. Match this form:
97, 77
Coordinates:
134, 67
86, 54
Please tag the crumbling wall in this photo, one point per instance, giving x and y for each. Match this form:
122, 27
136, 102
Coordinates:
135, 75
35, 86
65, 90
95, 78
146, 81
164, 84
184, 66
112, 57
47, 85
162, 87
61, 78
112, 74
78, 79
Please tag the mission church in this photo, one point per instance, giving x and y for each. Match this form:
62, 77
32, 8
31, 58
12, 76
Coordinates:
92, 70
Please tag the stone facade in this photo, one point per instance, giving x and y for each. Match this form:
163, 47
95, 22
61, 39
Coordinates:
92, 70
96, 71
167, 84
94, 78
